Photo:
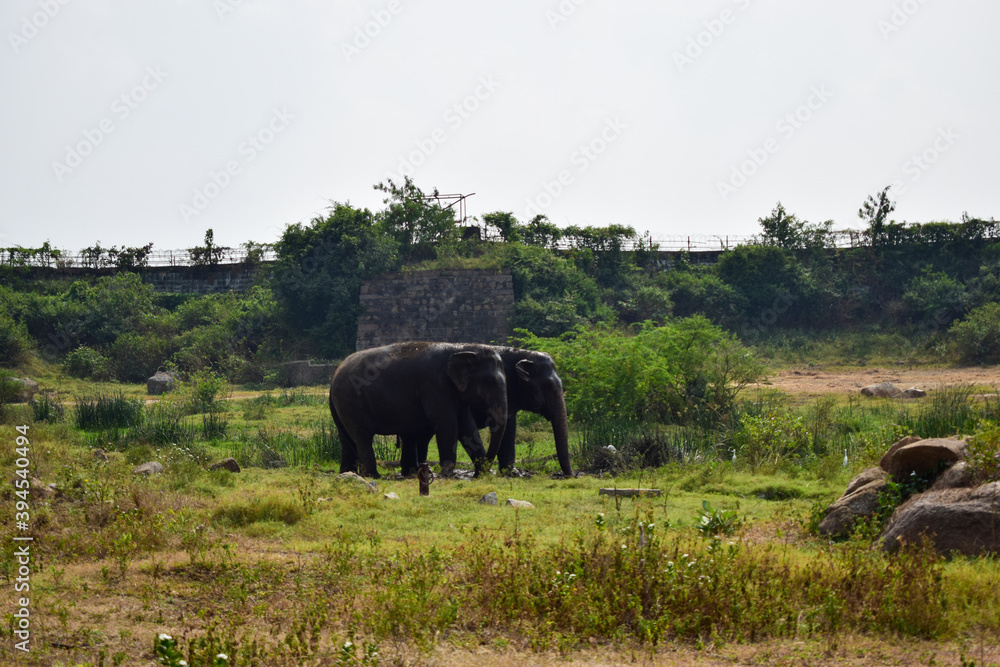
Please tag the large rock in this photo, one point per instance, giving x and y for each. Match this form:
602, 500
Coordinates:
924, 456
864, 478
27, 388
913, 392
882, 390
902, 442
965, 521
160, 383
149, 468
955, 477
862, 501
229, 464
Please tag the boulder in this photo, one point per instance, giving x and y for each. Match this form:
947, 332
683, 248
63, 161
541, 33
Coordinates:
520, 504
40, 489
861, 502
229, 464
902, 442
27, 388
358, 480
490, 499
149, 468
965, 521
881, 390
913, 392
955, 477
160, 383
924, 456
863, 478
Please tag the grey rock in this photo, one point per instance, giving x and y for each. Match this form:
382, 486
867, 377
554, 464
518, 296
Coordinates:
27, 388
391, 496
160, 383
40, 489
148, 468
913, 392
229, 464
490, 499
963, 521
520, 504
881, 390
99, 455
355, 478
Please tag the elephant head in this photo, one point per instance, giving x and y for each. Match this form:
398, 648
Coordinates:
478, 375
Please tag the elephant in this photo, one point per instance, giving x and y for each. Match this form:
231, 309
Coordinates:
532, 385
413, 387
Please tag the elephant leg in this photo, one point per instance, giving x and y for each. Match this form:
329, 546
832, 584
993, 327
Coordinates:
468, 435
505, 457
412, 444
348, 450
447, 441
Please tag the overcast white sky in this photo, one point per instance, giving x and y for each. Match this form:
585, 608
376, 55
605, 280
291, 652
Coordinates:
137, 122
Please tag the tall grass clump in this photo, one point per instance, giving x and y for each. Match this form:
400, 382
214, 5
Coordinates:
276, 448
103, 411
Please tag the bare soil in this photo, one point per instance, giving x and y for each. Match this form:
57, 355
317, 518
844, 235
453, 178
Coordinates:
810, 382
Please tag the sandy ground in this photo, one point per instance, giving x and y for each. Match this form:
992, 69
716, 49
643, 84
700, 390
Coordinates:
814, 381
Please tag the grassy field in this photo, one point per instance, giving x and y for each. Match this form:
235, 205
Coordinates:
291, 566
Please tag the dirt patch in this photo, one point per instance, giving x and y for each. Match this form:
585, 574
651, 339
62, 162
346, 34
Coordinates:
815, 382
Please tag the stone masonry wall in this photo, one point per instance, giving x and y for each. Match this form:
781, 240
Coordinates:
457, 306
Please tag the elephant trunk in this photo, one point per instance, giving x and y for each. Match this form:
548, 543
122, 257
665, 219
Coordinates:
560, 432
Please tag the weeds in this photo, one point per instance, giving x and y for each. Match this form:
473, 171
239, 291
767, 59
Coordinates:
103, 412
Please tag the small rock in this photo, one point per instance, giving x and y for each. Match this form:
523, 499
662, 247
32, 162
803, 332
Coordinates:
355, 478
913, 392
391, 496
896, 446
861, 502
881, 390
490, 499
27, 390
148, 468
520, 504
100, 455
41, 490
229, 464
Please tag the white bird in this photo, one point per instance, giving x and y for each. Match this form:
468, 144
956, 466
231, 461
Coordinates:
845, 458
733, 449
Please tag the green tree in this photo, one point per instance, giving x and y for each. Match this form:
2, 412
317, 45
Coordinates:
542, 233
785, 230
506, 225
208, 254
317, 276
875, 211
415, 220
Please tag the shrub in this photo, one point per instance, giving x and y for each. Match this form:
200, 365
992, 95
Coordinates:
768, 439
108, 412
135, 357
15, 342
977, 337
86, 362
983, 455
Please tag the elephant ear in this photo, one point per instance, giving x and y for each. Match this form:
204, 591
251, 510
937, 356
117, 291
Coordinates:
524, 368
460, 367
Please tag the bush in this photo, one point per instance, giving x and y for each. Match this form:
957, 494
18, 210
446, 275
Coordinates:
977, 337
108, 412
85, 362
135, 357
983, 455
685, 372
15, 342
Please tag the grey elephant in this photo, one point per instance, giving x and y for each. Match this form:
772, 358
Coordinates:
532, 385
417, 387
